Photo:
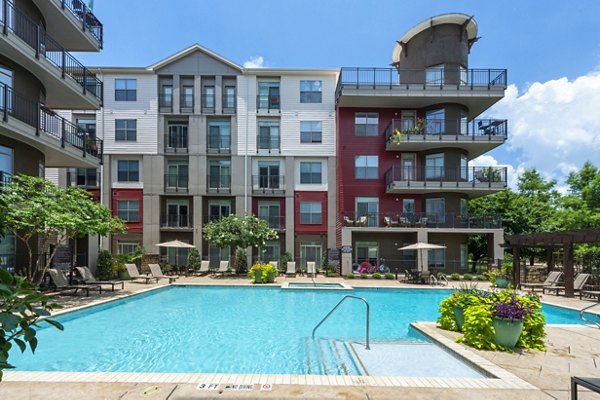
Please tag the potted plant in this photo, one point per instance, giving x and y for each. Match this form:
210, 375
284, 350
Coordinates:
269, 272
452, 308
508, 321
256, 272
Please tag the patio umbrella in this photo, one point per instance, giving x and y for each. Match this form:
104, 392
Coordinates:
422, 246
176, 244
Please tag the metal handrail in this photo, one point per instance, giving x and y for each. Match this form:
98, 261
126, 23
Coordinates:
584, 319
335, 308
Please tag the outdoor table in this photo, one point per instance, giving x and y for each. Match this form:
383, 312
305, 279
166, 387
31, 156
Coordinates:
590, 383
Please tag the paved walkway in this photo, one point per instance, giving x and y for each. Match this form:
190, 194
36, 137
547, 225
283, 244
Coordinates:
572, 350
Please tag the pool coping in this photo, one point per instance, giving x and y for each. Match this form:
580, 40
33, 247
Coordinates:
342, 286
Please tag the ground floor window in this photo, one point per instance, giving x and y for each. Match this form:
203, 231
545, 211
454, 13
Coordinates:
310, 251
271, 251
176, 256
464, 256
126, 247
366, 252
216, 254
7, 251
436, 258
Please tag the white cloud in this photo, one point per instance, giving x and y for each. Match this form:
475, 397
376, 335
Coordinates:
255, 62
554, 126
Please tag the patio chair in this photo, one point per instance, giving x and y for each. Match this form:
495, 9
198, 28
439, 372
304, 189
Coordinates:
578, 284
291, 268
62, 283
223, 268
134, 274
348, 221
311, 268
204, 267
158, 274
390, 222
422, 222
362, 221
551, 280
89, 279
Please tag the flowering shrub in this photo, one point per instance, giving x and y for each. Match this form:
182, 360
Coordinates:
513, 309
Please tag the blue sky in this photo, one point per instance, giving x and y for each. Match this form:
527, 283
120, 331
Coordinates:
538, 42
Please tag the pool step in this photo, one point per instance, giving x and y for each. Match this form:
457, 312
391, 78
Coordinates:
331, 357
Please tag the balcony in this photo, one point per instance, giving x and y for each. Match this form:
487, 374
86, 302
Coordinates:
68, 84
478, 89
186, 103
267, 144
229, 104
175, 183
276, 222
208, 103
89, 180
268, 104
176, 143
421, 220
176, 222
165, 103
5, 178
265, 184
218, 183
473, 181
63, 143
477, 136
218, 144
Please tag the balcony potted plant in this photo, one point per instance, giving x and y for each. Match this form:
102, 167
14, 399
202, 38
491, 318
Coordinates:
508, 321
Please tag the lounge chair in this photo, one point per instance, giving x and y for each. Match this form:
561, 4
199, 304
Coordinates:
158, 274
89, 279
348, 221
204, 267
62, 284
551, 280
134, 274
291, 268
311, 268
362, 221
223, 268
578, 284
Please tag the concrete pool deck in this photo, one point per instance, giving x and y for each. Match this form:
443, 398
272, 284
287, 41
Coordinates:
571, 350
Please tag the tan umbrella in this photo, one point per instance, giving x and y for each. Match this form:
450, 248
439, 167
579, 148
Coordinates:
422, 246
176, 244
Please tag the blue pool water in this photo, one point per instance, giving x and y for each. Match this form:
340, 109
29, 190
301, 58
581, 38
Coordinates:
233, 330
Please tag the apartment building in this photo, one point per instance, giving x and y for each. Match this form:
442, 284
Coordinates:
196, 137
406, 137
38, 76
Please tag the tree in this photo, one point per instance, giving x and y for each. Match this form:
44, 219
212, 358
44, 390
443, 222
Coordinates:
238, 232
42, 212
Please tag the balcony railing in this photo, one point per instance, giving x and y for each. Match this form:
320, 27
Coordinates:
208, 103
218, 183
209, 218
275, 222
87, 180
86, 16
429, 176
176, 143
218, 144
267, 143
165, 103
176, 183
268, 103
17, 106
36, 37
432, 78
176, 221
228, 104
421, 220
268, 184
5, 178
433, 129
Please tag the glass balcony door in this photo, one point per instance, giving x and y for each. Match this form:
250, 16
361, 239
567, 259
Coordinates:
218, 209
268, 175
271, 212
178, 214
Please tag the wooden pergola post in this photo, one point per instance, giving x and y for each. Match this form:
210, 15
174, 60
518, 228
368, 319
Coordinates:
517, 267
568, 262
551, 261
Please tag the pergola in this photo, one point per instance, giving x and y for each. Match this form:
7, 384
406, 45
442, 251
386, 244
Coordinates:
550, 241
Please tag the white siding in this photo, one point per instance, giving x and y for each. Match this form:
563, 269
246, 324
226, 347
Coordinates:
52, 174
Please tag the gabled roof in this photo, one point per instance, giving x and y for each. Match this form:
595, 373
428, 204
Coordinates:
193, 48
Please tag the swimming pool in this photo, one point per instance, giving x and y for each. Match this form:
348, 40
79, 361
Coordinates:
229, 329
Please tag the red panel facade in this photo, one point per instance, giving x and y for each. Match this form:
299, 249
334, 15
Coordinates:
129, 194
300, 197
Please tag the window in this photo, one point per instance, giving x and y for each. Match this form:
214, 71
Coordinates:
86, 177
270, 212
366, 167
219, 174
310, 173
126, 130
464, 123
125, 90
6, 79
367, 207
409, 120
178, 214
434, 122
268, 135
408, 211
87, 125
268, 95
209, 97
218, 209
434, 75
271, 251
126, 247
128, 171
177, 175
435, 258
367, 252
310, 132
310, 251
311, 213
128, 210
166, 96
464, 255
219, 135
464, 167
464, 206
216, 254
434, 165
268, 175
435, 209
229, 100
177, 256
6, 166
310, 91
177, 135
187, 97
464, 76
366, 124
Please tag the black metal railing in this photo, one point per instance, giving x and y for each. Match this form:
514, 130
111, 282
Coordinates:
5, 178
165, 102
87, 180
208, 103
88, 20
268, 143
214, 217
176, 183
424, 176
176, 143
37, 38
8, 262
17, 106
218, 183
268, 183
176, 221
276, 222
268, 102
229, 104
218, 144
399, 131
186, 102
420, 220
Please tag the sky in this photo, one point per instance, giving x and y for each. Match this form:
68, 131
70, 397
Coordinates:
550, 48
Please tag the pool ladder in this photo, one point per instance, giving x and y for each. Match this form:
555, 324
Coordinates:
584, 319
335, 308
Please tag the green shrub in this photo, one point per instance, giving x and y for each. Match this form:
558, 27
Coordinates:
455, 276
480, 278
389, 275
350, 276
364, 276
468, 277
376, 275
241, 261
104, 266
193, 261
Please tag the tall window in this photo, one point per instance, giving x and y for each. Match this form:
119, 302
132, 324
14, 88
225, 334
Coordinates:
87, 125
366, 167
6, 79
209, 97
310, 173
125, 90
229, 100
268, 95
271, 251
128, 210
126, 130
464, 75
464, 167
464, 206
311, 213
434, 122
310, 91
368, 207
166, 96
219, 174
128, 171
434, 75
310, 132
217, 254
187, 97
177, 174
178, 213
218, 209
86, 177
6, 165
268, 135
268, 175
464, 255
177, 135
126, 247
270, 212
435, 258
436, 209
434, 166
366, 124
219, 135
310, 251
